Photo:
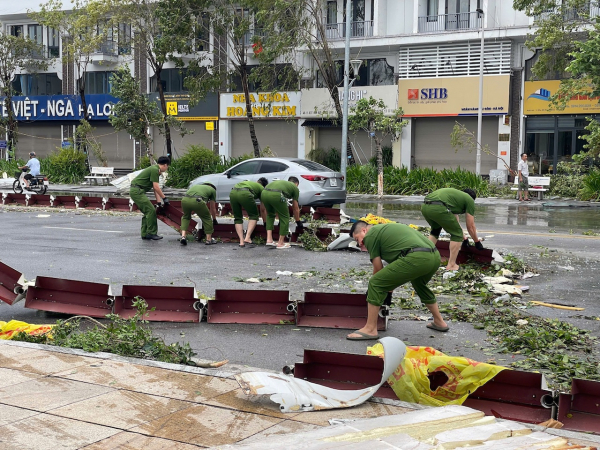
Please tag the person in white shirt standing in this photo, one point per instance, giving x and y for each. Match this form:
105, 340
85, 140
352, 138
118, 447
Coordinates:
523, 170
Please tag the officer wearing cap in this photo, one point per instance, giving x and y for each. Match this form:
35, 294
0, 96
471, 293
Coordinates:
34, 168
198, 199
243, 196
275, 197
145, 181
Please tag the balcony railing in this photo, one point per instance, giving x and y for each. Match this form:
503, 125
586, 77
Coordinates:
583, 13
40, 53
450, 22
250, 35
358, 30
108, 48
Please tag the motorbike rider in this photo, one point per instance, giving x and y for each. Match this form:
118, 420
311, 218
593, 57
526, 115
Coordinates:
34, 169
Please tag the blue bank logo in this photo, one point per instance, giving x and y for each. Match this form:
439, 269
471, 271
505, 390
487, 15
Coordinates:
541, 94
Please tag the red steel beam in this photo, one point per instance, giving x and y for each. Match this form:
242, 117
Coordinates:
249, 306
66, 201
482, 256
170, 303
9, 198
91, 203
335, 310
580, 410
343, 371
10, 280
513, 395
39, 200
70, 297
119, 204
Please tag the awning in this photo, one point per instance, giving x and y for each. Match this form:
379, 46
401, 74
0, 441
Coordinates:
321, 124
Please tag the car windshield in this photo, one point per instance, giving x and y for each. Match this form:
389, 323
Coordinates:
313, 166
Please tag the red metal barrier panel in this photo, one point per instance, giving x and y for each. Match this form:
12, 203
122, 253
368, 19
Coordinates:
580, 410
38, 200
225, 231
119, 204
91, 203
343, 371
512, 395
171, 215
224, 210
335, 310
12, 198
482, 256
64, 201
331, 215
70, 297
170, 303
10, 279
248, 306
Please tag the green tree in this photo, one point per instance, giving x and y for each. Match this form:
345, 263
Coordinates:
369, 115
16, 54
84, 29
163, 32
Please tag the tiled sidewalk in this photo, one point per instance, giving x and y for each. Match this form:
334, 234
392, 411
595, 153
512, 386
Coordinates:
59, 398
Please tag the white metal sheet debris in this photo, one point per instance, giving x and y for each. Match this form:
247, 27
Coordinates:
295, 395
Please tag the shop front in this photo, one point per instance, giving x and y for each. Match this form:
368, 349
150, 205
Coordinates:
201, 120
553, 135
276, 124
323, 131
434, 105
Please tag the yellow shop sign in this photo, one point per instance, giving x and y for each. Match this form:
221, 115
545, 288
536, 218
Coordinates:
264, 105
537, 100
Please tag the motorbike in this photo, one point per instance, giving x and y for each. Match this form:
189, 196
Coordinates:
38, 184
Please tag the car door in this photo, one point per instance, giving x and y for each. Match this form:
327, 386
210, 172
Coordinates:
245, 170
273, 170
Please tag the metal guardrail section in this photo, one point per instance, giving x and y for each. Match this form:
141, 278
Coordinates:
66, 201
91, 203
171, 215
11, 281
252, 307
514, 395
118, 204
331, 215
70, 297
170, 303
10, 198
343, 371
580, 410
335, 310
38, 200
482, 256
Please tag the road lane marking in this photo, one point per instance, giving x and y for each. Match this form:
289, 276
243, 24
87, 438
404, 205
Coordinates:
83, 229
553, 235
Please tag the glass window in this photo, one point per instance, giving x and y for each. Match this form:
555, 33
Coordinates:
245, 168
34, 32
172, 80
539, 147
53, 43
124, 40
312, 166
272, 166
16, 30
332, 12
98, 82
37, 84
432, 9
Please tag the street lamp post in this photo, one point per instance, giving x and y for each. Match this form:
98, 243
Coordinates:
480, 110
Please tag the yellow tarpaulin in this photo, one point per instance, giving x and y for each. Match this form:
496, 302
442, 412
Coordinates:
9, 329
410, 381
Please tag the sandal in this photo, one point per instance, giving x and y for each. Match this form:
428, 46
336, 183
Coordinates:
271, 244
284, 246
213, 241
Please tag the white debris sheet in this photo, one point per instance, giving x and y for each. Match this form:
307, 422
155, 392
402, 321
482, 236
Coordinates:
294, 394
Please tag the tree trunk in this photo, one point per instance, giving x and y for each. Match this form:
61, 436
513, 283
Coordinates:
338, 109
379, 168
11, 129
163, 107
244, 78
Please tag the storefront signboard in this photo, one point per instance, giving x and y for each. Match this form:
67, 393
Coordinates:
318, 104
178, 105
265, 105
59, 107
537, 100
453, 96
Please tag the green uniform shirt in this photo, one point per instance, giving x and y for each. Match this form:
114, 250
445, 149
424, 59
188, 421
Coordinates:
202, 190
458, 202
390, 240
147, 177
255, 188
287, 188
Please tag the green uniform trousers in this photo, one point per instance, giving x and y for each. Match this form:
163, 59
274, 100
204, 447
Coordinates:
242, 199
418, 268
274, 205
190, 206
149, 223
438, 217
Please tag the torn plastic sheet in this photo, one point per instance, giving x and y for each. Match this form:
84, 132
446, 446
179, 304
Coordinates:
294, 394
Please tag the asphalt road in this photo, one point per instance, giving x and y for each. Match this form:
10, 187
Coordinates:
106, 248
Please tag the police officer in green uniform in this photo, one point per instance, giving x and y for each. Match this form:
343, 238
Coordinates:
146, 180
275, 197
244, 196
410, 257
200, 199
441, 209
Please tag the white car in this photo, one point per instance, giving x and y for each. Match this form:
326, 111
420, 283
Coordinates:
319, 185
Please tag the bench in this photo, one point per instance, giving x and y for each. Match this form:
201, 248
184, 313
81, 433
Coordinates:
100, 173
536, 184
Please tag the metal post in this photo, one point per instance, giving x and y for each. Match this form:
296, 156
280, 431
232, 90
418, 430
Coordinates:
344, 150
480, 110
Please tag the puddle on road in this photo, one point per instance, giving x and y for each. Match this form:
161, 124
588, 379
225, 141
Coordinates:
561, 219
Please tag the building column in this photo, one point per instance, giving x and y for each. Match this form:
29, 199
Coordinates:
302, 139
402, 148
504, 126
225, 138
